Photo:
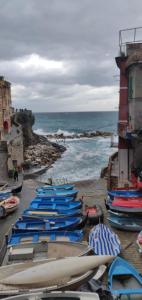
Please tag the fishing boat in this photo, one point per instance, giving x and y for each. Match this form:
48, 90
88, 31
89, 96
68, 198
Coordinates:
94, 213
134, 203
39, 205
49, 275
58, 187
124, 279
80, 225
50, 213
62, 193
122, 222
36, 236
8, 205
56, 199
57, 296
44, 250
124, 206
5, 195
104, 241
34, 224
125, 193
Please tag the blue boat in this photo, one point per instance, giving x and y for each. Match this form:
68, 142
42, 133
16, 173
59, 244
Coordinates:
35, 237
104, 241
125, 193
124, 279
51, 213
58, 187
41, 225
125, 221
39, 205
61, 193
56, 199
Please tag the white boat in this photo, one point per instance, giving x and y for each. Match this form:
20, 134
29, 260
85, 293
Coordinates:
57, 296
50, 275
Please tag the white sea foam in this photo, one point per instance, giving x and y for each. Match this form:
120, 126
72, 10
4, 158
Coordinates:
40, 131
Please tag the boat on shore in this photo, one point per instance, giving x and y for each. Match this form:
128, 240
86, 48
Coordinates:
56, 199
66, 186
44, 250
124, 279
94, 213
51, 213
8, 206
36, 236
62, 193
39, 205
34, 224
62, 274
104, 241
125, 193
125, 223
66, 295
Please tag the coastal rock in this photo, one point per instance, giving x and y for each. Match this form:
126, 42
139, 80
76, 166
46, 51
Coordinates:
85, 134
38, 150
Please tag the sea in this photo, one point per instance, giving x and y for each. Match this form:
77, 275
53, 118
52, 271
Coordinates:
84, 157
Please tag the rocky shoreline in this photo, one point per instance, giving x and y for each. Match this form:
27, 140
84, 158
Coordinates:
38, 150
85, 134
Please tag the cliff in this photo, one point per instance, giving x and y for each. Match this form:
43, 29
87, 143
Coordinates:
38, 150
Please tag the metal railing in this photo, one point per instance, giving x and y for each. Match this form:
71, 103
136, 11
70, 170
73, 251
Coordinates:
128, 36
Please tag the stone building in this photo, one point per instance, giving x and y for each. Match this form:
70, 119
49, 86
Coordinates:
11, 136
5, 107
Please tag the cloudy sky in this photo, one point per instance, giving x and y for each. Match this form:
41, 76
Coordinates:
59, 55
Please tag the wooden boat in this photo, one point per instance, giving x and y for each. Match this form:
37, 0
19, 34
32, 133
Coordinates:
56, 199
62, 274
8, 206
41, 225
110, 205
104, 241
51, 213
124, 279
127, 223
58, 187
94, 213
35, 236
57, 296
125, 193
61, 193
80, 225
128, 203
44, 250
63, 207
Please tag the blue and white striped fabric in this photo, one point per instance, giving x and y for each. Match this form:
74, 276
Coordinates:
103, 241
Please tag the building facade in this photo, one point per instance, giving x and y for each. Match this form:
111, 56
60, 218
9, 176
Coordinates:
129, 158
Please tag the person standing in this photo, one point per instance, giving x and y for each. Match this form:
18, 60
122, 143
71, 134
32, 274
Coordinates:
15, 174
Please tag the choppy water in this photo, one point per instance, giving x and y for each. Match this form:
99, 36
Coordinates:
84, 157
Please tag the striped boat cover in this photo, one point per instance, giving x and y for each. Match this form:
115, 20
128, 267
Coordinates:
103, 241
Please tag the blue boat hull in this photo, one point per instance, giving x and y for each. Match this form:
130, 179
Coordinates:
67, 187
124, 279
56, 199
42, 205
125, 194
61, 193
122, 222
41, 225
51, 213
35, 237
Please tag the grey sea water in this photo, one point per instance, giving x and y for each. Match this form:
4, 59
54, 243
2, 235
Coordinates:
84, 157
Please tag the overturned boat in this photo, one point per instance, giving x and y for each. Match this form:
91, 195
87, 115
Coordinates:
39, 205
62, 274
